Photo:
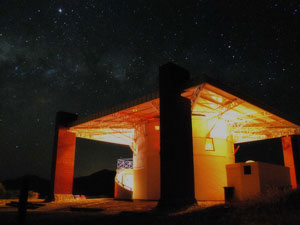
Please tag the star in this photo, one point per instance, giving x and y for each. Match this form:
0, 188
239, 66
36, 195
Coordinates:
101, 54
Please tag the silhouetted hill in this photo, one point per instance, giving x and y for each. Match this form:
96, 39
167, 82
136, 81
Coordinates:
99, 183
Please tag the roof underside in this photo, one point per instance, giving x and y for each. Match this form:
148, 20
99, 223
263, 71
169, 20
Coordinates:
247, 121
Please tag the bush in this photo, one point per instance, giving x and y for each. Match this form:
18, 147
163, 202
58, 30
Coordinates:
2, 189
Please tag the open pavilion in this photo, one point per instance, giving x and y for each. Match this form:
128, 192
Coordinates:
171, 159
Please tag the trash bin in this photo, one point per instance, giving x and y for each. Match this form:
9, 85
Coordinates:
228, 192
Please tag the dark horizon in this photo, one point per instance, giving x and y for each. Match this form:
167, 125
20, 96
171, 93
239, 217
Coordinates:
247, 151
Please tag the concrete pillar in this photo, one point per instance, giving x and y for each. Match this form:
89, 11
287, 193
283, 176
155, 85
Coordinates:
146, 162
63, 158
177, 169
210, 161
291, 158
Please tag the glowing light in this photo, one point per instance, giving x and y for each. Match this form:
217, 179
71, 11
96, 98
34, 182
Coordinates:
229, 117
220, 129
250, 161
209, 144
217, 98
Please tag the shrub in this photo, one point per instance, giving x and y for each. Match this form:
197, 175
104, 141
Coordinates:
2, 189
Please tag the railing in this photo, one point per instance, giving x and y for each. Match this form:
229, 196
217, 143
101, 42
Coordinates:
125, 163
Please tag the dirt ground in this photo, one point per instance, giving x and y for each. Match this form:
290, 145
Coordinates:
276, 209
93, 211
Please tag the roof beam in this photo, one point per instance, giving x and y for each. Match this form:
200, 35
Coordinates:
196, 95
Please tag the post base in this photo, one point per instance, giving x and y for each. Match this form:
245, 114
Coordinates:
63, 197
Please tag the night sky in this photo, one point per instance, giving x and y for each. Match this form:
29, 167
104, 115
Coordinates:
84, 56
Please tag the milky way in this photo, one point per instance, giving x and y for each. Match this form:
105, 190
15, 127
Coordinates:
85, 56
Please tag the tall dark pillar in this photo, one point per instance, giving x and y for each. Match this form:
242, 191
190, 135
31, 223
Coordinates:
176, 142
290, 147
63, 157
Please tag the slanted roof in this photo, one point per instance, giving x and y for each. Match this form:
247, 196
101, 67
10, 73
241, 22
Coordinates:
249, 120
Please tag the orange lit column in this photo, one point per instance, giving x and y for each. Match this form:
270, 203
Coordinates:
213, 150
177, 170
146, 162
291, 158
63, 158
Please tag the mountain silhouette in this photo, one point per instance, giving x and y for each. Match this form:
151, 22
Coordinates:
100, 183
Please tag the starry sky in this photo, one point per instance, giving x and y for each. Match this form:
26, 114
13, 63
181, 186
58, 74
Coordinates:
84, 56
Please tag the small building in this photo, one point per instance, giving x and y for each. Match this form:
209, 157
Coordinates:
182, 137
252, 179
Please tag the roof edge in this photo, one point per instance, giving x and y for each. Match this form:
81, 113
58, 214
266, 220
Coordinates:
190, 83
115, 108
206, 79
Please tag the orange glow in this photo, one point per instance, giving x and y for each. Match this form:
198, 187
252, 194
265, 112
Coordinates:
133, 147
209, 144
237, 148
211, 154
220, 120
64, 168
229, 115
289, 158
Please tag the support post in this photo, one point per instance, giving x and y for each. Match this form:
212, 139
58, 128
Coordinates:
63, 157
291, 158
176, 151
23, 200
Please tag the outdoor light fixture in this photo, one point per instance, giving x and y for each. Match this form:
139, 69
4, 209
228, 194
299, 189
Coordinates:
250, 161
209, 144
157, 127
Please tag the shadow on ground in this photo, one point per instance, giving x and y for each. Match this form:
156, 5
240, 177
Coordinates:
276, 209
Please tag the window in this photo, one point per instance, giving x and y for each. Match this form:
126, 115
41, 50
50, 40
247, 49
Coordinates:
247, 170
209, 144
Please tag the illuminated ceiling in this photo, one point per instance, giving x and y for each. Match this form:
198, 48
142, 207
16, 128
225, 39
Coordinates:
247, 121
